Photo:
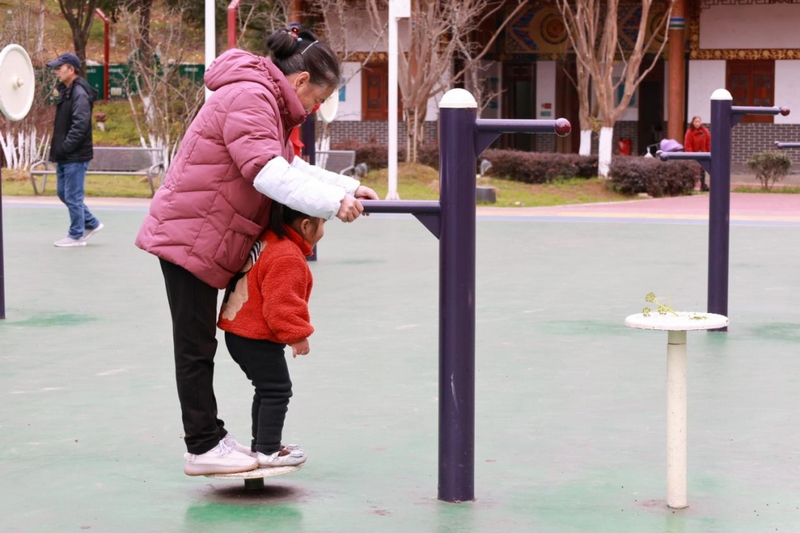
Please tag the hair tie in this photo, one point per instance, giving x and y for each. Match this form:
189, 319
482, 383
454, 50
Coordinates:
294, 33
307, 47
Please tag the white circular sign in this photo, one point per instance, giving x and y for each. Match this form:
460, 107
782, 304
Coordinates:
16, 82
327, 111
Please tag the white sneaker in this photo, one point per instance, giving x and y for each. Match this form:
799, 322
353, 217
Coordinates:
89, 232
69, 241
222, 459
292, 458
292, 447
230, 441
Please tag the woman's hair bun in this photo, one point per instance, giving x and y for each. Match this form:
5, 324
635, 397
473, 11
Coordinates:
282, 44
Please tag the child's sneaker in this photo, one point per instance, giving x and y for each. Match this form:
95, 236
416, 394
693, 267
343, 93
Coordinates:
292, 447
222, 459
284, 457
231, 442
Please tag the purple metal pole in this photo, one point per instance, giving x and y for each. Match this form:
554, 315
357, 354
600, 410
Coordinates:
724, 116
458, 111
783, 145
452, 219
2, 266
719, 203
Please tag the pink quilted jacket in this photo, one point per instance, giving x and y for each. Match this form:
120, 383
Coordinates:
207, 214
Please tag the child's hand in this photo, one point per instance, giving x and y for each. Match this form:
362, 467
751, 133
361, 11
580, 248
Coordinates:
300, 348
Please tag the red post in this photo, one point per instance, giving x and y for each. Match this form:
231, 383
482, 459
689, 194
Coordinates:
233, 9
106, 53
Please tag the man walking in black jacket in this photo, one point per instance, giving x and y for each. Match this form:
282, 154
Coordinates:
71, 147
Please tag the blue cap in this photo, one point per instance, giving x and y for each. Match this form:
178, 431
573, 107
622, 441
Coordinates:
66, 59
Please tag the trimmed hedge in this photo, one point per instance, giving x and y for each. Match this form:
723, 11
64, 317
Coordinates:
628, 175
635, 175
535, 167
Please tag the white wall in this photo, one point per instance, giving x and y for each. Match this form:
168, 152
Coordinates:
546, 90
493, 76
787, 90
705, 77
750, 26
350, 109
631, 113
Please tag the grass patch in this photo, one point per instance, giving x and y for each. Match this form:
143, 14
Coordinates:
17, 183
418, 182
120, 127
774, 190
415, 182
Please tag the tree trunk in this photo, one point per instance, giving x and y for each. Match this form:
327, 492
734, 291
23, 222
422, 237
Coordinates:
145, 8
40, 29
604, 150
586, 142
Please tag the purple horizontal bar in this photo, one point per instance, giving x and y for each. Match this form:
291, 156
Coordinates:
559, 126
787, 145
753, 110
690, 156
401, 206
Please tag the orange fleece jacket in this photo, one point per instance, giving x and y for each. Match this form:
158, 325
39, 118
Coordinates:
268, 298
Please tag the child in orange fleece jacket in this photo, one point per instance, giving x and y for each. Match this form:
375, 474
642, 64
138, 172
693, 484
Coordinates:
266, 308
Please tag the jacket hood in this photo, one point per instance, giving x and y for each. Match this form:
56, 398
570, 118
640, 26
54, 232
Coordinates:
238, 65
91, 91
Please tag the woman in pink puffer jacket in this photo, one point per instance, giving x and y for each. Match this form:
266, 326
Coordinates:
234, 160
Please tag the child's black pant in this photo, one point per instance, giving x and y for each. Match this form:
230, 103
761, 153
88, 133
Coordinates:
265, 365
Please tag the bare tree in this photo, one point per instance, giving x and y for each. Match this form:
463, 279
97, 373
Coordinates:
143, 43
258, 19
471, 51
338, 16
27, 141
587, 117
79, 14
163, 101
592, 26
438, 32
39, 48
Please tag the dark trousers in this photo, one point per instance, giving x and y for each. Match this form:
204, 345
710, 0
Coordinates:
264, 364
193, 305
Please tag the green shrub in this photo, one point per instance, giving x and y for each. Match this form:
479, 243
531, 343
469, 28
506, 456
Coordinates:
635, 175
526, 167
535, 167
769, 167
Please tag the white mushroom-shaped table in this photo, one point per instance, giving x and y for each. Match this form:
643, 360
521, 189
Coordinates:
676, 324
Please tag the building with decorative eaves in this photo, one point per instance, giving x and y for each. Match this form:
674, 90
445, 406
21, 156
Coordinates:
750, 47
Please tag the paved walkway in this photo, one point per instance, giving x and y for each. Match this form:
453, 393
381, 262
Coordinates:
745, 208
570, 421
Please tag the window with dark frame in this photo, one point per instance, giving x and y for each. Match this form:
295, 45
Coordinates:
752, 83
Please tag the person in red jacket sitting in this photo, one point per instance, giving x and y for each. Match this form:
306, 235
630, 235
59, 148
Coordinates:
265, 309
698, 139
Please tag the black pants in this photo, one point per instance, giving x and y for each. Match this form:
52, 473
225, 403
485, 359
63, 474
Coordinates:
264, 364
193, 305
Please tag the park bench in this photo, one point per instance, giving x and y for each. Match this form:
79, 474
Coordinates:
339, 161
117, 160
